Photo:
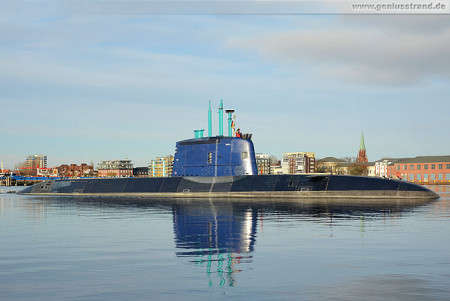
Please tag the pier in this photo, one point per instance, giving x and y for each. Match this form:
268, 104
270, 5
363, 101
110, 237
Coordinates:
20, 180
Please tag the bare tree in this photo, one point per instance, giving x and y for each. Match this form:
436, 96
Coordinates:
273, 159
348, 159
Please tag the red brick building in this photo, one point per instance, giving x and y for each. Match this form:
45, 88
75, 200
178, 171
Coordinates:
422, 169
74, 170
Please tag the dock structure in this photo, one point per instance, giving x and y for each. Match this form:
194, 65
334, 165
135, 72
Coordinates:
21, 181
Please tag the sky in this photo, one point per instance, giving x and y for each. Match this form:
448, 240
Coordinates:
86, 83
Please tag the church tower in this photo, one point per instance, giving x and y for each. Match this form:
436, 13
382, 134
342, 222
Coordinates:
362, 157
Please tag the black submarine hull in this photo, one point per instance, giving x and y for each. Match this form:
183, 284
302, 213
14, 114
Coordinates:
248, 186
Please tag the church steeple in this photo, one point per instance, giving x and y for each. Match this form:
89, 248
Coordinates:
361, 144
362, 157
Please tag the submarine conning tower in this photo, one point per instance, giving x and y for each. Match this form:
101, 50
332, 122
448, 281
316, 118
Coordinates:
215, 156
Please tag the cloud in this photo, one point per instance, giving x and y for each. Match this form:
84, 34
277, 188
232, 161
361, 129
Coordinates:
374, 52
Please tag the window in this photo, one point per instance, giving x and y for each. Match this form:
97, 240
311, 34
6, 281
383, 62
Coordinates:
425, 177
419, 166
209, 158
405, 167
440, 166
433, 177
447, 176
418, 177
433, 166
397, 167
411, 177
425, 166
411, 166
447, 166
441, 177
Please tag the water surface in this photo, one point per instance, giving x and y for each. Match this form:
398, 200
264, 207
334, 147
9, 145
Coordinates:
69, 248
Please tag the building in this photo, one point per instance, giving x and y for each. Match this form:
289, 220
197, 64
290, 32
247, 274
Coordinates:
422, 169
35, 161
371, 169
46, 172
115, 168
140, 172
275, 169
341, 167
381, 167
74, 170
362, 156
328, 165
298, 162
263, 164
161, 167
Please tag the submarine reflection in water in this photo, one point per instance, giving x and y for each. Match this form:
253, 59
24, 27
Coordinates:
219, 235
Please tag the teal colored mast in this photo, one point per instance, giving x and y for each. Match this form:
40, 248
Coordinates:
221, 118
198, 133
209, 121
230, 122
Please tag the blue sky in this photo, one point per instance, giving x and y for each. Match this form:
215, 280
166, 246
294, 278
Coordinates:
82, 87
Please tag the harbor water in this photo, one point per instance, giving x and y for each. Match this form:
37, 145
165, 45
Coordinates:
73, 248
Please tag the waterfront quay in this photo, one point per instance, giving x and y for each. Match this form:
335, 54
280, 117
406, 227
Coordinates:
422, 170
22, 181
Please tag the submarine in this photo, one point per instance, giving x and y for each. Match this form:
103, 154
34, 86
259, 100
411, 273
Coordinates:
225, 167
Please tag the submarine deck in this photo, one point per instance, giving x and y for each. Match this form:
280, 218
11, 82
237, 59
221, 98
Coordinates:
252, 186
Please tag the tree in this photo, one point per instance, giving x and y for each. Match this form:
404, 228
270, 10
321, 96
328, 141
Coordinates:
348, 159
358, 169
273, 159
20, 165
321, 168
338, 170
25, 170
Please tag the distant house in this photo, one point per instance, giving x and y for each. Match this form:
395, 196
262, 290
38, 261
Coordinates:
422, 169
263, 164
275, 169
74, 170
35, 161
115, 168
298, 162
328, 164
161, 167
341, 167
371, 169
140, 172
381, 166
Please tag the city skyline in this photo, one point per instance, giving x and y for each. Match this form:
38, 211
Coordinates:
83, 87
